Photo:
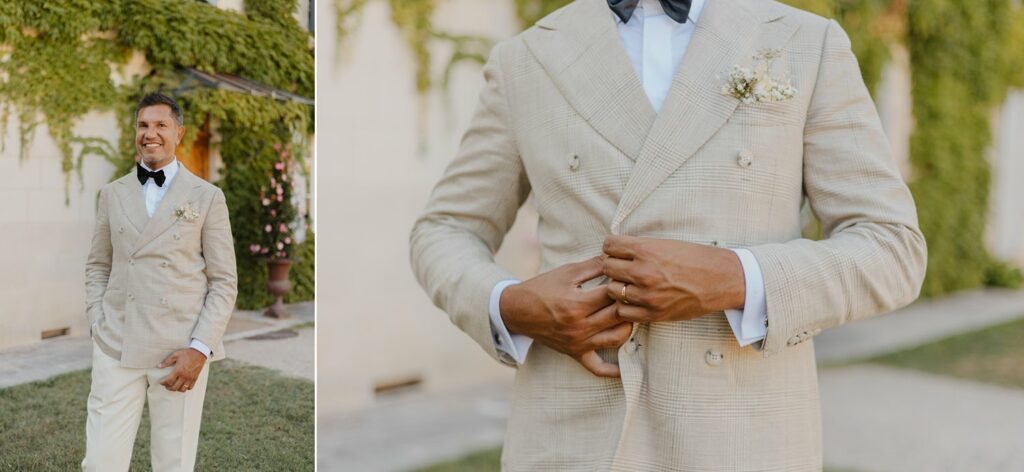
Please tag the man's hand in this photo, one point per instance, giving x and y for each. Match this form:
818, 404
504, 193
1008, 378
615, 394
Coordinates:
554, 310
188, 363
671, 280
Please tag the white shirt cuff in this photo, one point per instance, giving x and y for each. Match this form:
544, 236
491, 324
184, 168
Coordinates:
199, 346
750, 324
515, 345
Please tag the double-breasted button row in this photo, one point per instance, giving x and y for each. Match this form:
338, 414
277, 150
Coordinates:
574, 160
713, 357
745, 158
802, 336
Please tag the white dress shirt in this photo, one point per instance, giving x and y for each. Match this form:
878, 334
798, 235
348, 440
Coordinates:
655, 44
153, 194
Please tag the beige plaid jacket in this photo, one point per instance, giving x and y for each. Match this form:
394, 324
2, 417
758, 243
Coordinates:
564, 116
153, 284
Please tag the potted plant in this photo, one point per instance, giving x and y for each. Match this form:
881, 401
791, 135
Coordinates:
278, 222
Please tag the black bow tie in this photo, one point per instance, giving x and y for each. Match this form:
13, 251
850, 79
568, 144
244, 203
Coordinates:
675, 9
144, 174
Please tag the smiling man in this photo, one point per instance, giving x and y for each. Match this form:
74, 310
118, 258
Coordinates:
160, 288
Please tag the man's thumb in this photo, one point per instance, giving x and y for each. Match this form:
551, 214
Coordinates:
166, 362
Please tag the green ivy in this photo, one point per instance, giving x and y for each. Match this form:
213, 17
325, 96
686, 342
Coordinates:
964, 59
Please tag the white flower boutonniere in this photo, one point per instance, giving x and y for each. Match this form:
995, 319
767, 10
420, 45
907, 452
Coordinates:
757, 85
186, 212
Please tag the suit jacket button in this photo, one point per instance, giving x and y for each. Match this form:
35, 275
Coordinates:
574, 161
131, 261
163, 301
120, 230
177, 236
131, 296
713, 357
794, 341
745, 158
164, 264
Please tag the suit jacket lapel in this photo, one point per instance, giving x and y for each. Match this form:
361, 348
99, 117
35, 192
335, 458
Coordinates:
580, 49
728, 32
132, 200
164, 216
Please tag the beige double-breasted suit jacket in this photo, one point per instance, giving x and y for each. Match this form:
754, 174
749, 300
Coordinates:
564, 116
154, 284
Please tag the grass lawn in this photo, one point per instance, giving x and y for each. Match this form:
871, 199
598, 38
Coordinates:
253, 420
994, 355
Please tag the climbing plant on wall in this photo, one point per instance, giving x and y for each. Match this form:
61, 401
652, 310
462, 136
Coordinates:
60, 55
964, 59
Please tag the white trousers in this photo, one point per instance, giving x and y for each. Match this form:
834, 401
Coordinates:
115, 410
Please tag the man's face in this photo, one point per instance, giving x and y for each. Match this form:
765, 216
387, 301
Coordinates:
156, 135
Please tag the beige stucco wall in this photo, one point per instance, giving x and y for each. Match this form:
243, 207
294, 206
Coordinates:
45, 242
1006, 218
375, 325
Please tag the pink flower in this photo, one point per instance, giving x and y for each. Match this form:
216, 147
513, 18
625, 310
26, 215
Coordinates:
264, 250
282, 228
266, 201
254, 248
277, 146
267, 228
284, 177
273, 212
287, 240
280, 198
280, 246
279, 166
280, 190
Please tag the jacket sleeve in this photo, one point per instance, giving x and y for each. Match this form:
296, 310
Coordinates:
221, 274
873, 256
97, 266
471, 208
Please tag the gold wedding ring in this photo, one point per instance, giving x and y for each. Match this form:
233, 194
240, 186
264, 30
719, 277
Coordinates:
624, 299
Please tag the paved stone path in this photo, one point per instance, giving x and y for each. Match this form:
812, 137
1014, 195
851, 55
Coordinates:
66, 354
882, 419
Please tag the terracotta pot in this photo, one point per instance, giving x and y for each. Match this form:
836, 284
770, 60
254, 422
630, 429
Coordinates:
278, 285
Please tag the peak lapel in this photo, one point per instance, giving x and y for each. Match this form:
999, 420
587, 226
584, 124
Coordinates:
163, 218
132, 201
580, 49
728, 32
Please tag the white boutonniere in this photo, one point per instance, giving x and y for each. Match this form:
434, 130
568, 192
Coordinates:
186, 212
757, 84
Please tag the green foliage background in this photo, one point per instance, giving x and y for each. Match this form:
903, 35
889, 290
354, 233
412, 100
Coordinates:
60, 56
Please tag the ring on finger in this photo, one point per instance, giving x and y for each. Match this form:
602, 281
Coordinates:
624, 298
